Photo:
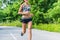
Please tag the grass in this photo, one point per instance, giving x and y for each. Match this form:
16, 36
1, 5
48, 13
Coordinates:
48, 27
14, 23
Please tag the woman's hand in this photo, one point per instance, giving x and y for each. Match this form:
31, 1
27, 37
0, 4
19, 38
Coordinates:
31, 14
25, 13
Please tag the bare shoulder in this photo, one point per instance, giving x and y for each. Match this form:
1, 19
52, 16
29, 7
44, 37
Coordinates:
21, 5
29, 5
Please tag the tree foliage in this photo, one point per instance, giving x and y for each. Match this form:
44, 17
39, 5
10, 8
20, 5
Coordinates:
45, 11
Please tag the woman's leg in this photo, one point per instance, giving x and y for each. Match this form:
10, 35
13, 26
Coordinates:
23, 28
30, 30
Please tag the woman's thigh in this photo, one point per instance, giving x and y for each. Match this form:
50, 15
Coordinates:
29, 24
23, 25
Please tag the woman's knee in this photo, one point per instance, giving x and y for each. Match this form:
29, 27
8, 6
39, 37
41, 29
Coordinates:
29, 29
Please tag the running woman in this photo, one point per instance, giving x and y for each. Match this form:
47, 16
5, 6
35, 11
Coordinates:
24, 10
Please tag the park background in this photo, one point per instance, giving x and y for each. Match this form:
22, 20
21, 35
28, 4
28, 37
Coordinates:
46, 14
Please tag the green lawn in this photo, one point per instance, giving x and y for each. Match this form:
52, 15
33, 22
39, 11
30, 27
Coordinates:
14, 23
48, 27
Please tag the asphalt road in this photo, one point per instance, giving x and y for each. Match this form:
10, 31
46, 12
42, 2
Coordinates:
13, 33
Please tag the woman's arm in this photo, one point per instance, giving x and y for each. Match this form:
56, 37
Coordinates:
20, 10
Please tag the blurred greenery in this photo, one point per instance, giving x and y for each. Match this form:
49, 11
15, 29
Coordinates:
46, 13
48, 27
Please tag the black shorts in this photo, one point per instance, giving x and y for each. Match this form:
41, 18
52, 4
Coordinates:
26, 20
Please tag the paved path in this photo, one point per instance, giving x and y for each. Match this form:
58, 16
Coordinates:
13, 33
